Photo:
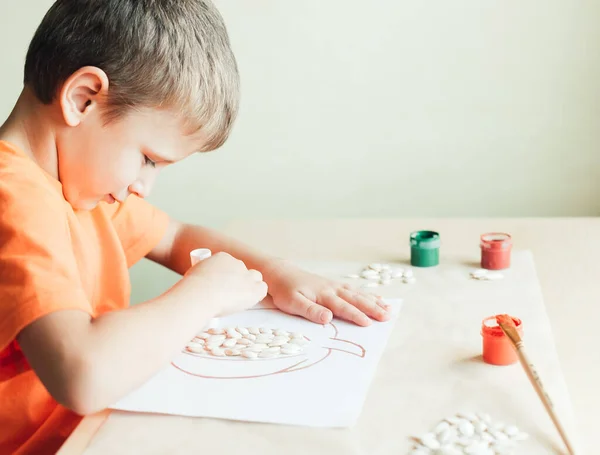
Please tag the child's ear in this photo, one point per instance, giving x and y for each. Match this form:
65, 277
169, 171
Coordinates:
82, 93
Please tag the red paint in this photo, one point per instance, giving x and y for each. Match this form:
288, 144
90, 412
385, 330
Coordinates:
495, 251
497, 348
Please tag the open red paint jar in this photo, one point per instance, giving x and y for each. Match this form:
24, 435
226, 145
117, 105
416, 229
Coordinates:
495, 251
497, 348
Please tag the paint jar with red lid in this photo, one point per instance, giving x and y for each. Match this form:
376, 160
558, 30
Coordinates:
495, 250
497, 348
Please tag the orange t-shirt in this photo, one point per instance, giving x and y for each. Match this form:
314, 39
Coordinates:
53, 258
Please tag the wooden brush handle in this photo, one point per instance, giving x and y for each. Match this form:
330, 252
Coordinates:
534, 378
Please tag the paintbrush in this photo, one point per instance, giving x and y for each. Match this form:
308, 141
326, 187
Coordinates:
507, 325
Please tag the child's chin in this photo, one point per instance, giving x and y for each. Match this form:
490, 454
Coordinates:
85, 205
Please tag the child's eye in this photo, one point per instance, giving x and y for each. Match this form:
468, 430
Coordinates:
149, 162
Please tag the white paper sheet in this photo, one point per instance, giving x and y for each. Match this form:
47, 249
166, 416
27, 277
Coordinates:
326, 386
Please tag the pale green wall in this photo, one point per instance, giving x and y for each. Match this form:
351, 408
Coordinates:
389, 108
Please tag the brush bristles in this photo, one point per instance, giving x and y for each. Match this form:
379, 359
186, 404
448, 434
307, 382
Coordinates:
508, 327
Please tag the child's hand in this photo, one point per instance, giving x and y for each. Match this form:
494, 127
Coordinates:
318, 299
226, 283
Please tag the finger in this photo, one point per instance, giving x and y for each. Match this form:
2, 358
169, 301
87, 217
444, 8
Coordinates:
262, 290
344, 310
306, 308
367, 303
255, 274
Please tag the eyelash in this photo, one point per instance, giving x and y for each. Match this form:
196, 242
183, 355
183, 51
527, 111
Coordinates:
149, 162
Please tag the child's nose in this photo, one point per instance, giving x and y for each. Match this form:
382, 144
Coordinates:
139, 189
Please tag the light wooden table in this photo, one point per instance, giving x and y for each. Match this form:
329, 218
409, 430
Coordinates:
566, 252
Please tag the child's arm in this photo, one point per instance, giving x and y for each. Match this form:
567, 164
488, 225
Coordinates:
87, 365
293, 290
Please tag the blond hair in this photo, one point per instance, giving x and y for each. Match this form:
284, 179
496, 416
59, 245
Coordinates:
156, 53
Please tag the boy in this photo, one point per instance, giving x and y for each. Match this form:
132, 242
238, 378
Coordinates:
114, 91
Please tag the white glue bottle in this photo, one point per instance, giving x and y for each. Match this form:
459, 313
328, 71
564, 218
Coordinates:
196, 256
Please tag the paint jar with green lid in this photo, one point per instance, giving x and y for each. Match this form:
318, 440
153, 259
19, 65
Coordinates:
424, 248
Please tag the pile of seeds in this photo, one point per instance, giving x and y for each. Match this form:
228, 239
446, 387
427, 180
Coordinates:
469, 433
247, 342
382, 274
486, 275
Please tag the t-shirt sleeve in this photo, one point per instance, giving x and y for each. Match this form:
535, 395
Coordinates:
139, 225
38, 270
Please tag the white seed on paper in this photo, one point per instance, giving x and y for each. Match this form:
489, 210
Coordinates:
216, 339
397, 273
442, 426
218, 352
195, 347
299, 341
354, 276
484, 417
233, 333
470, 416
384, 282
215, 331
446, 435
472, 434
263, 339
408, 273
241, 341
376, 267
385, 275
369, 273
486, 275
493, 276
499, 435
229, 343
466, 428
430, 441
278, 342
254, 330
480, 426
478, 273
487, 437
